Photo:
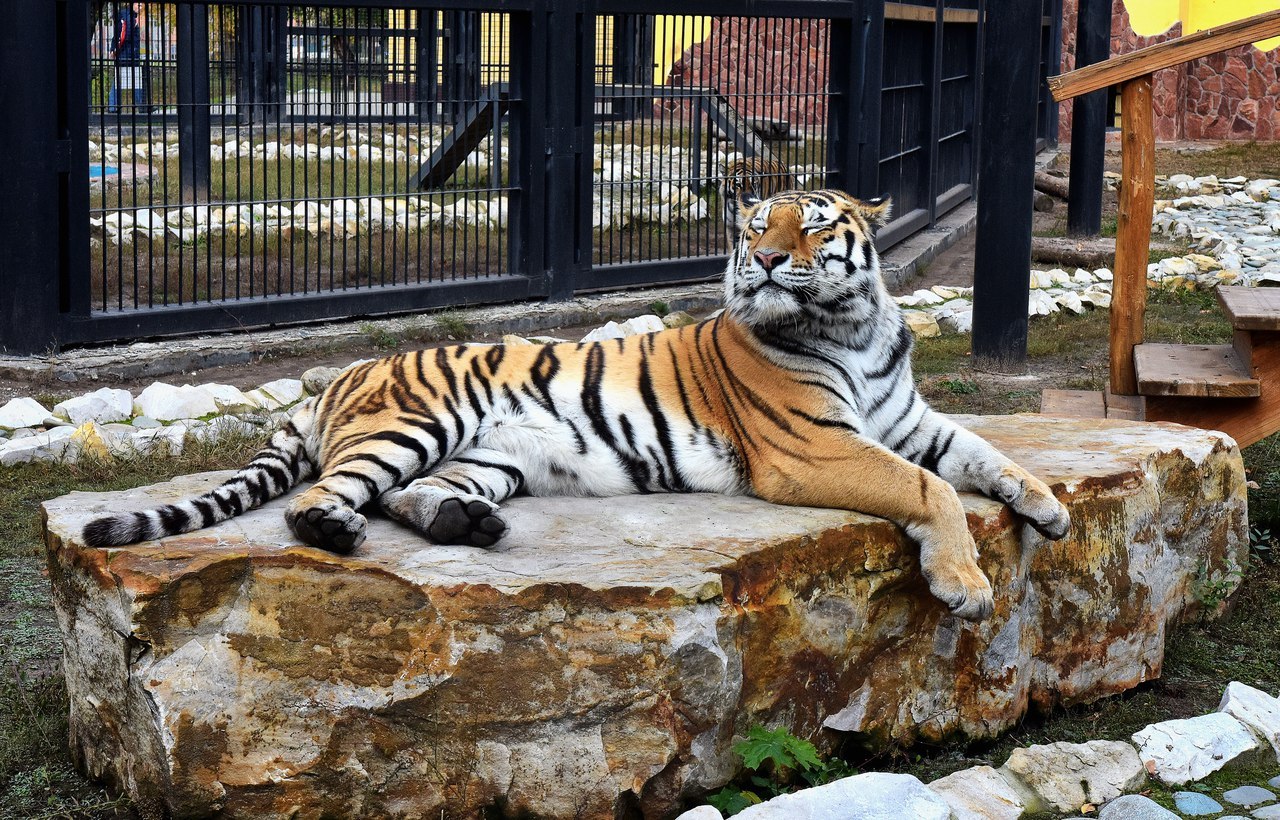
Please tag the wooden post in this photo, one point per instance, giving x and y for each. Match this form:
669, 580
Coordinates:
1133, 231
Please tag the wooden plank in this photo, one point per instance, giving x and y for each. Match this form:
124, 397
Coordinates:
1163, 55
1133, 231
1246, 420
1212, 371
1073, 404
928, 14
1129, 408
1251, 308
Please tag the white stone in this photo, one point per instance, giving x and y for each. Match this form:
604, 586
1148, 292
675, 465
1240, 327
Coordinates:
1104, 274
1058, 276
1255, 709
984, 793
1070, 301
166, 402
171, 438
1040, 303
46, 446
702, 813
1068, 775
1180, 751
22, 412
227, 397
870, 796
276, 394
927, 297
317, 379
1082, 277
945, 292
1040, 279
610, 330
649, 323
102, 406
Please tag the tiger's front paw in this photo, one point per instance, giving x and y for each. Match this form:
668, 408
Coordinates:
333, 527
469, 520
1032, 499
963, 588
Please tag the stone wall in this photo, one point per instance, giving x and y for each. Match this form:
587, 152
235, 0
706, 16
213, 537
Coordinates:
1227, 96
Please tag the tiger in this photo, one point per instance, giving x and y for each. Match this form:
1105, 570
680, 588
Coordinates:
756, 177
799, 392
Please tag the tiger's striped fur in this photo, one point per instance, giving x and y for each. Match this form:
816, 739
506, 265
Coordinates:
751, 179
799, 393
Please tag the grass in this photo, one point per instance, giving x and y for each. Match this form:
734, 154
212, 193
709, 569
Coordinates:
37, 777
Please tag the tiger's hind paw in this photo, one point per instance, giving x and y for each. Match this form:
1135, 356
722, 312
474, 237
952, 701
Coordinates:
331, 527
468, 520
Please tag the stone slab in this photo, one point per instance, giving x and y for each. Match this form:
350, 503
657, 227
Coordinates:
984, 793
607, 654
870, 796
1255, 709
1066, 776
1181, 751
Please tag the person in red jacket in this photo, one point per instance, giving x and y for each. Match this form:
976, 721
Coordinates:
126, 50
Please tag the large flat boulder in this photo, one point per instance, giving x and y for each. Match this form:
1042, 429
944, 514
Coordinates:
600, 662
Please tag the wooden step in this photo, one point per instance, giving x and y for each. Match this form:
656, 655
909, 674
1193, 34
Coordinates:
1251, 308
1212, 371
1091, 404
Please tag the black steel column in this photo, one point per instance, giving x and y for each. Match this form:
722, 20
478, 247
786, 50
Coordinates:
1002, 260
1089, 123
844, 97
869, 28
568, 107
193, 102
38, 150
425, 62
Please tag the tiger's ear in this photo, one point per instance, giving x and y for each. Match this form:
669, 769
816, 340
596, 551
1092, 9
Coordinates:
747, 205
876, 211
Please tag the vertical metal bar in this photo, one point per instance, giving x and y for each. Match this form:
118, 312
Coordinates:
871, 64
29, 296
1002, 258
193, 101
527, 126
569, 32
1088, 123
844, 98
934, 108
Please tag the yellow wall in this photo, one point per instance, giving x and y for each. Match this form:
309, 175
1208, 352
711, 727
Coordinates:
672, 35
1156, 16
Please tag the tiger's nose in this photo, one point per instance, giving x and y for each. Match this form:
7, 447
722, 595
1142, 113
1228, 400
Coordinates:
770, 259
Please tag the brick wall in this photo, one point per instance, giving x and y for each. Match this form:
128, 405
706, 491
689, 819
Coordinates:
1234, 95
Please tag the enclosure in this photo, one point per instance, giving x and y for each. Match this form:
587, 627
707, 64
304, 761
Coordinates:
228, 164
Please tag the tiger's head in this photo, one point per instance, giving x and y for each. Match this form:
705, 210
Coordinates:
806, 260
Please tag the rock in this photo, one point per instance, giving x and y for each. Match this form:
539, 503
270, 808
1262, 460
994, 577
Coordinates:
1195, 804
165, 402
47, 446
1135, 807
1255, 709
1180, 751
638, 326
921, 324
983, 793
22, 412
229, 399
102, 406
512, 339
702, 813
1068, 775
157, 439
870, 796
1275, 781
1264, 813
613, 647
927, 297
315, 380
276, 394
678, 319
145, 423
610, 330
1040, 303
1248, 796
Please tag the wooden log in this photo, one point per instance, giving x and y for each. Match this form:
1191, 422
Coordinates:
1058, 186
1133, 231
1077, 253
1173, 52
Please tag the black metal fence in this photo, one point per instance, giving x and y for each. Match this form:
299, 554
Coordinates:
222, 164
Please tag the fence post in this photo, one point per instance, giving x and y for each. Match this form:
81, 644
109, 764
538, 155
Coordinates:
1089, 123
1002, 259
193, 102
527, 134
569, 106
870, 31
844, 87
31, 136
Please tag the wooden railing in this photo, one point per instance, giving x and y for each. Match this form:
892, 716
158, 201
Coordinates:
1132, 72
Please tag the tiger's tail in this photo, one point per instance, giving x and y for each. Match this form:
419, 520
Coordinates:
277, 467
